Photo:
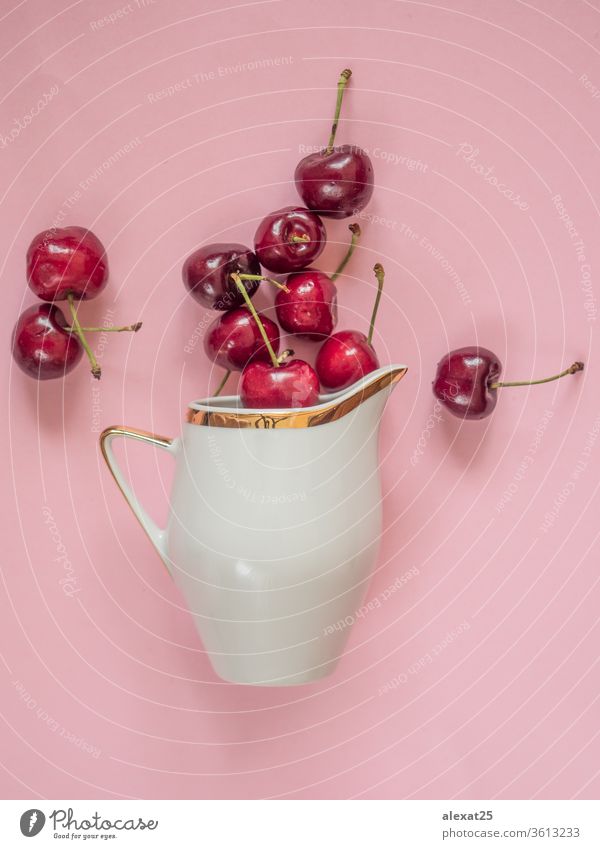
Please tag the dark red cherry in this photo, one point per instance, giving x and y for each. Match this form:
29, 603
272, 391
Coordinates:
233, 339
66, 261
290, 384
344, 358
289, 239
41, 346
466, 381
349, 355
207, 274
309, 307
336, 183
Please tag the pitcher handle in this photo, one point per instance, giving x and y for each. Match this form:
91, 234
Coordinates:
157, 535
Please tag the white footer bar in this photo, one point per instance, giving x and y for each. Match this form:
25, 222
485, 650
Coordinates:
301, 824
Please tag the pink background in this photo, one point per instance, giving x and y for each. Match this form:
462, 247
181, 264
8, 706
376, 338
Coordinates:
478, 678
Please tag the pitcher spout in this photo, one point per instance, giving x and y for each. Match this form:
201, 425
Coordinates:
384, 378
378, 383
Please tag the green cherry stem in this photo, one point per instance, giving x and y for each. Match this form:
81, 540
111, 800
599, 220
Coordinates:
279, 285
294, 239
133, 328
355, 230
256, 317
221, 385
571, 370
342, 83
285, 355
380, 275
77, 330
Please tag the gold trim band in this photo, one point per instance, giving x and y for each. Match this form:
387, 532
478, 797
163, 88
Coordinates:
295, 418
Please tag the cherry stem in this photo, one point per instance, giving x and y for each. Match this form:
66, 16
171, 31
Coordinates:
221, 385
342, 83
380, 275
571, 370
130, 327
77, 330
355, 230
279, 285
238, 282
285, 355
294, 239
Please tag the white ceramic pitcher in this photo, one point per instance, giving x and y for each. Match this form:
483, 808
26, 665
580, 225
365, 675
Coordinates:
274, 526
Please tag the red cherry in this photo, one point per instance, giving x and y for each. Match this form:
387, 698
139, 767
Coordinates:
233, 339
41, 346
337, 181
289, 239
207, 274
466, 381
66, 261
348, 356
344, 358
290, 384
308, 305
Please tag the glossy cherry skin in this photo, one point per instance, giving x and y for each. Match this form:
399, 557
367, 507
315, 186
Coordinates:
293, 384
336, 184
309, 308
40, 345
233, 339
275, 247
344, 358
463, 380
66, 261
207, 274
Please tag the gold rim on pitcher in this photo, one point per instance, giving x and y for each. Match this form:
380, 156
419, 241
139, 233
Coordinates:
294, 418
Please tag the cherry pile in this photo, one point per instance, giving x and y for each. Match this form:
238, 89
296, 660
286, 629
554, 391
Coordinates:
67, 264
70, 264
337, 182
